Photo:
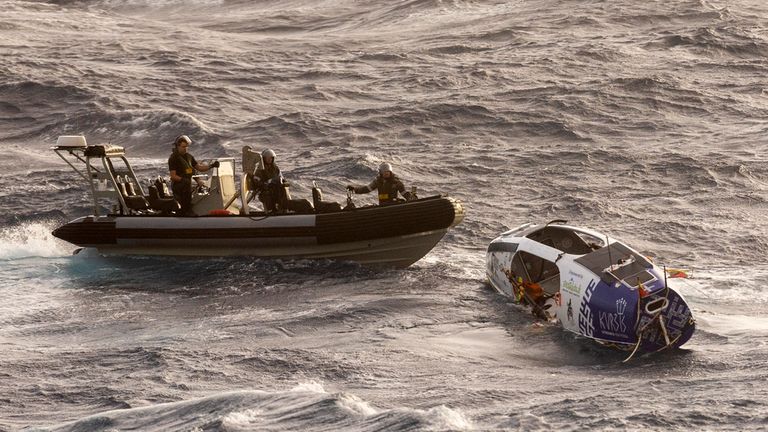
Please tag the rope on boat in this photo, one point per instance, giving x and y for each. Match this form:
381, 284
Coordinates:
656, 317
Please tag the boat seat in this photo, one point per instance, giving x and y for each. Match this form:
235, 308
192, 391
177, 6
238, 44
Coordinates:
323, 206
328, 207
163, 205
162, 188
299, 205
132, 200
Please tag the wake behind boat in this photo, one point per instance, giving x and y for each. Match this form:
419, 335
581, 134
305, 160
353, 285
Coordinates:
140, 223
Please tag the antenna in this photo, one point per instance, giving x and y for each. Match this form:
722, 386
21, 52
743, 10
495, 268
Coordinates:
610, 259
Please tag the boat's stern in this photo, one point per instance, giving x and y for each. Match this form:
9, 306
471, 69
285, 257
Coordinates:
498, 261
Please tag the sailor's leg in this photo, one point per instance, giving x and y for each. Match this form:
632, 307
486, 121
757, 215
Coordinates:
267, 201
183, 193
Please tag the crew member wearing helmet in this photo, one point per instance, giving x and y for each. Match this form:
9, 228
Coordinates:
386, 183
269, 181
182, 166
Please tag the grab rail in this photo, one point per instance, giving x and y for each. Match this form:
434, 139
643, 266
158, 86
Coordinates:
664, 303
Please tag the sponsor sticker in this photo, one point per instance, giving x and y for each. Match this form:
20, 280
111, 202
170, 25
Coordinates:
571, 287
573, 283
613, 324
586, 326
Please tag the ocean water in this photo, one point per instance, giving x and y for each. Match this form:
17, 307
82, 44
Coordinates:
645, 120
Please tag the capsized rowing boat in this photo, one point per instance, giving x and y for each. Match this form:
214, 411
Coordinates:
593, 285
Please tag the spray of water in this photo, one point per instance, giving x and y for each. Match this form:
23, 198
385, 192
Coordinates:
31, 239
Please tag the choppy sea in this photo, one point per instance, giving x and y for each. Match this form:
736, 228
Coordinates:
645, 120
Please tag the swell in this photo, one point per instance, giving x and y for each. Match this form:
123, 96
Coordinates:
306, 407
34, 111
714, 42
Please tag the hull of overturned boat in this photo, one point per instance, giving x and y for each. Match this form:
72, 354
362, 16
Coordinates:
593, 285
394, 235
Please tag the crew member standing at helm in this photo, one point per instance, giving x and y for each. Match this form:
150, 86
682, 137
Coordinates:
182, 166
386, 183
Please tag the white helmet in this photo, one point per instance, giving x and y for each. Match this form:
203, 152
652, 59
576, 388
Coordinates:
268, 153
384, 167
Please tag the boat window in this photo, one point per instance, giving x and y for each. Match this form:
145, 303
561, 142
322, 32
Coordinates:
563, 239
594, 242
500, 246
532, 268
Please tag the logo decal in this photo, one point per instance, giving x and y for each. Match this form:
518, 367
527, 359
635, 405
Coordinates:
571, 287
573, 283
613, 324
586, 326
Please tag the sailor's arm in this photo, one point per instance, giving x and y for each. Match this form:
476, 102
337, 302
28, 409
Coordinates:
259, 179
205, 167
363, 189
401, 188
175, 177
173, 169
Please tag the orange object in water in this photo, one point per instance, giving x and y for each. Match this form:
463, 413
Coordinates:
219, 212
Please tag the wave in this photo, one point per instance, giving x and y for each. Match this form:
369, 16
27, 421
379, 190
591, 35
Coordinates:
716, 41
42, 111
306, 407
29, 107
30, 239
454, 119
141, 132
288, 130
457, 49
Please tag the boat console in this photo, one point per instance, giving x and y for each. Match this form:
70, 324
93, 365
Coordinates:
114, 185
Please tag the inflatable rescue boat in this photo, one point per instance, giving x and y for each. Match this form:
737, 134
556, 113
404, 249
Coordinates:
136, 222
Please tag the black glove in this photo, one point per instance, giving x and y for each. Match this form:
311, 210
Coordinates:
350, 188
216, 164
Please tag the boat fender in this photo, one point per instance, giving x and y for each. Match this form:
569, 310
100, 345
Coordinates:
219, 212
